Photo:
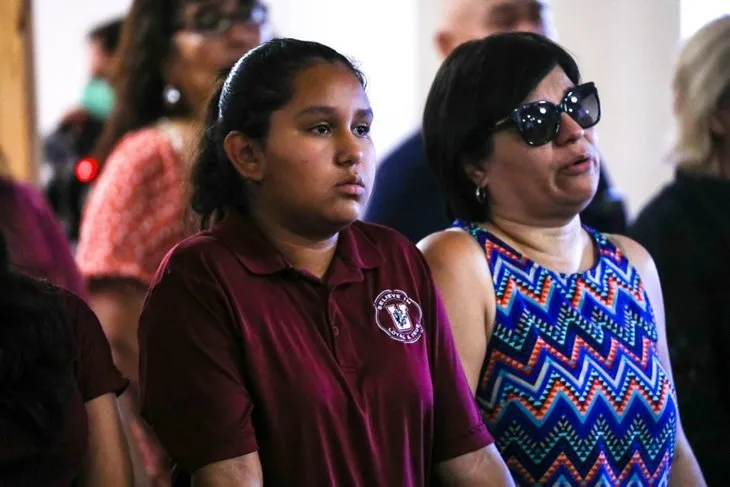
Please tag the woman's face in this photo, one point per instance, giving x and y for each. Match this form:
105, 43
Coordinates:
213, 35
318, 161
551, 182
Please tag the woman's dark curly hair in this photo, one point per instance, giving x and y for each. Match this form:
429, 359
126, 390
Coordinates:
146, 44
36, 357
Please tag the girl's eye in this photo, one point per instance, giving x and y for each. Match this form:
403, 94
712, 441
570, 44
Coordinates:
321, 129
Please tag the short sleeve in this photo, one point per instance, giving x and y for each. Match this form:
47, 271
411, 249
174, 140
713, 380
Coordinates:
38, 244
96, 374
135, 211
65, 273
193, 393
458, 426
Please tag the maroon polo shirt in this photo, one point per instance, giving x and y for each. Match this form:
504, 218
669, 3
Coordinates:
60, 462
349, 381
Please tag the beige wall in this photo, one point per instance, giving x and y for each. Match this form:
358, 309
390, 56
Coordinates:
61, 57
627, 47
380, 35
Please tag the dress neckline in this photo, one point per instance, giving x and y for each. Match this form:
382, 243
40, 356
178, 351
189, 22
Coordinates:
475, 230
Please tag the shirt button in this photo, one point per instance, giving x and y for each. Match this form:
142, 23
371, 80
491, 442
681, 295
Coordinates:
335, 331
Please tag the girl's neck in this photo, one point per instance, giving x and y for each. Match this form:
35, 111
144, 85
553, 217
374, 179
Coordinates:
309, 253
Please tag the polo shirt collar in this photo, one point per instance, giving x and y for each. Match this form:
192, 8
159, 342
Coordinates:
355, 248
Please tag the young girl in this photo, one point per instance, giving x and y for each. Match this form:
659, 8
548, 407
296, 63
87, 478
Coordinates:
290, 344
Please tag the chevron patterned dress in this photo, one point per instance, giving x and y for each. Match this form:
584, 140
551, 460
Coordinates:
572, 388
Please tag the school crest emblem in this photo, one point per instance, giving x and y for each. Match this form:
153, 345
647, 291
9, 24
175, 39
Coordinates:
398, 316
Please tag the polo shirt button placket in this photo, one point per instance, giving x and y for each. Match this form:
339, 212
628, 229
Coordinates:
333, 328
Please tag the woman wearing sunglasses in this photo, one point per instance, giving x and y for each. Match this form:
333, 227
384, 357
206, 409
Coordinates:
171, 54
560, 328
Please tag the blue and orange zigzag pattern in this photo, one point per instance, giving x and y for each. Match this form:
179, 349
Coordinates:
572, 389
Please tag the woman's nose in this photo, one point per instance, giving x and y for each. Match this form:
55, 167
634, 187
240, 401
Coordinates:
569, 131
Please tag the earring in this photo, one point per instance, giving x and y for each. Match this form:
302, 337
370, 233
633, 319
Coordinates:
171, 95
480, 194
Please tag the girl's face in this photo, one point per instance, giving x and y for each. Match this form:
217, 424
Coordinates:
317, 164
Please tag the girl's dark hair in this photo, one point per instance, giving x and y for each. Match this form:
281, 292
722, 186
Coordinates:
36, 357
144, 50
480, 83
259, 84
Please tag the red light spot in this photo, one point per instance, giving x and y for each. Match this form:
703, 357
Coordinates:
86, 169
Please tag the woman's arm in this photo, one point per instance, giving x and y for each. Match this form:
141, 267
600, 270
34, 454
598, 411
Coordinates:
481, 468
461, 309
685, 469
243, 471
107, 459
117, 303
463, 280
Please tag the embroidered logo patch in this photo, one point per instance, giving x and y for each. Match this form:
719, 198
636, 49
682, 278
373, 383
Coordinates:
398, 316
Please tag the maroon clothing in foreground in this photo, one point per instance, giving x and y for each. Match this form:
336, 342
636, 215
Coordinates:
21, 464
354, 381
37, 244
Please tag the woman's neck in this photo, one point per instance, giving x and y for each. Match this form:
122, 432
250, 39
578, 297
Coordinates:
308, 253
183, 134
565, 248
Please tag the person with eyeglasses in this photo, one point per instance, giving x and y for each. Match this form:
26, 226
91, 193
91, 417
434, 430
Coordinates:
406, 196
560, 328
171, 54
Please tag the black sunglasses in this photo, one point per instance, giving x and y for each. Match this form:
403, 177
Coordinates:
215, 21
539, 122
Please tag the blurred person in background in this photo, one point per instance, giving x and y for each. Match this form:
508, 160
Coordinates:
171, 54
64, 176
58, 412
686, 227
103, 41
36, 240
406, 195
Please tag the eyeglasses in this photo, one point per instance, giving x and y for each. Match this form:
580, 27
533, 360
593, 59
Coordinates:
539, 122
216, 21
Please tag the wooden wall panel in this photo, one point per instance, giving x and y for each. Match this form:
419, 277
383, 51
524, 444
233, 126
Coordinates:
17, 100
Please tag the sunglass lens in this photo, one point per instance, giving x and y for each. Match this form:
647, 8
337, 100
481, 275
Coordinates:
583, 107
537, 122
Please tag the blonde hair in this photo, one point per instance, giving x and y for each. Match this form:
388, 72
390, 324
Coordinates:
700, 79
